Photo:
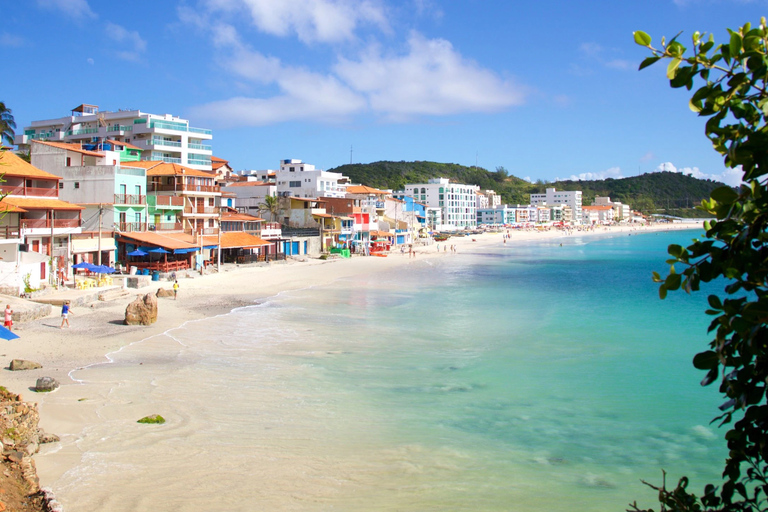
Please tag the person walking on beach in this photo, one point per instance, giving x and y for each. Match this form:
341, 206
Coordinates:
8, 317
175, 289
65, 311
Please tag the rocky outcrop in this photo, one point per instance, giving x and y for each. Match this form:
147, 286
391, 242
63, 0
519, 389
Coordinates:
142, 311
21, 438
23, 364
162, 292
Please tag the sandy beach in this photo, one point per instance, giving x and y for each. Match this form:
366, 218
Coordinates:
97, 329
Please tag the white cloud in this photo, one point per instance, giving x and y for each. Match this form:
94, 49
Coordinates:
132, 40
90, 61
432, 79
76, 9
647, 157
7, 39
604, 56
613, 172
310, 20
732, 177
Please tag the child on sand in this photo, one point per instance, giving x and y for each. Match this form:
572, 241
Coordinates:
65, 311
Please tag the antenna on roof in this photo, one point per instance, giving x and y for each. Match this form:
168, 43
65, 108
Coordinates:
350, 154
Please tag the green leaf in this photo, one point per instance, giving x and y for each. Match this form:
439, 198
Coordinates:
662, 292
724, 195
672, 67
647, 62
675, 250
673, 281
735, 45
706, 360
642, 38
714, 302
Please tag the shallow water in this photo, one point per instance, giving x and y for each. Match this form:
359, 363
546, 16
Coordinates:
543, 377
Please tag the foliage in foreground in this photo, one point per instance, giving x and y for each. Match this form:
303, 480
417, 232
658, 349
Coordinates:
731, 93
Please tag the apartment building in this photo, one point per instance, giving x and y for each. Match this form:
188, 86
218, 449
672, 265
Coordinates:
299, 179
164, 137
552, 197
458, 202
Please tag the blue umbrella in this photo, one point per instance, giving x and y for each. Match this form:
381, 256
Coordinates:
102, 269
84, 264
6, 334
137, 252
158, 250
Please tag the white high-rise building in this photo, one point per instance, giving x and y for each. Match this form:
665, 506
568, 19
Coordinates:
298, 179
457, 201
160, 137
553, 197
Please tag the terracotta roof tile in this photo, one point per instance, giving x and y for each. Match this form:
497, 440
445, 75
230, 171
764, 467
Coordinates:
364, 189
13, 165
31, 203
69, 146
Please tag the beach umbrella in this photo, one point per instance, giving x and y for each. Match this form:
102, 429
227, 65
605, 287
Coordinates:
102, 269
158, 250
137, 252
84, 265
7, 334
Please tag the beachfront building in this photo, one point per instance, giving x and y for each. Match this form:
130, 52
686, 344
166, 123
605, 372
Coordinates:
183, 199
114, 197
223, 171
488, 199
250, 196
597, 215
160, 137
552, 197
266, 176
36, 227
621, 212
458, 202
299, 179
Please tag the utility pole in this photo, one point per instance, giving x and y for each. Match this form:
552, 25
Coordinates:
98, 256
218, 246
350, 154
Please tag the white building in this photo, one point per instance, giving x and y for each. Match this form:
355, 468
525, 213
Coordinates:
457, 201
251, 195
621, 212
298, 179
597, 215
487, 199
553, 197
161, 137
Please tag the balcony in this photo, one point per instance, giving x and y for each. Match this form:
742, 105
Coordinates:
9, 232
119, 129
83, 131
154, 187
128, 227
130, 199
165, 226
199, 146
210, 210
20, 190
162, 202
202, 231
157, 141
46, 223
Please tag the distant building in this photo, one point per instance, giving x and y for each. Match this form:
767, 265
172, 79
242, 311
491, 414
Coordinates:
553, 197
621, 212
597, 215
299, 179
164, 137
458, 202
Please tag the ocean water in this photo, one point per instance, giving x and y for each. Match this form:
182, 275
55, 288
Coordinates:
527, 378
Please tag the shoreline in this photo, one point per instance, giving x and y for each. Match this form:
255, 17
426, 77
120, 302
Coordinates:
97, 330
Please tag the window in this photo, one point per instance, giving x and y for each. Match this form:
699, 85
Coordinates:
77, 184
137, 217
294, 184
61, 184
138, 190
292, 169
69, 162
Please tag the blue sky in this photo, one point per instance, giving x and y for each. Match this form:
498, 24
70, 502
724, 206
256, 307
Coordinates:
547, 89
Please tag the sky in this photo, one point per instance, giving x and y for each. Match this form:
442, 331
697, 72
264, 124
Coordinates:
546, 89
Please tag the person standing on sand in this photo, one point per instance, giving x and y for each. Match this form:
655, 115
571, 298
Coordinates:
175, 289
8, 317
65, 311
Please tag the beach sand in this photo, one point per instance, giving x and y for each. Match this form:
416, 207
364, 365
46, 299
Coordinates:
97, 329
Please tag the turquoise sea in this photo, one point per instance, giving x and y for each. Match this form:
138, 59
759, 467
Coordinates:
547, 376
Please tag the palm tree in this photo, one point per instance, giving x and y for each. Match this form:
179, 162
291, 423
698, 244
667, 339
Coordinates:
7, 125
272, 205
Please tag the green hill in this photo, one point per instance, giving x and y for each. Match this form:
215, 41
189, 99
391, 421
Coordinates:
650, 193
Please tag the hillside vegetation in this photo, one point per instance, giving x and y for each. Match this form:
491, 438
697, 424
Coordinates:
649, 193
